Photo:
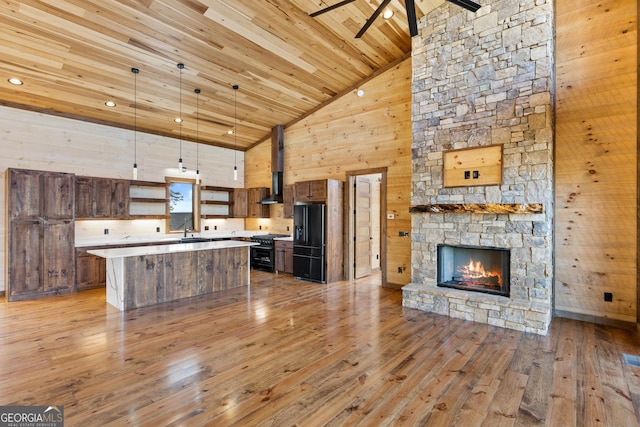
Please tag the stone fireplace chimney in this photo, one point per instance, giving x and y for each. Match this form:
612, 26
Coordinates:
483, 79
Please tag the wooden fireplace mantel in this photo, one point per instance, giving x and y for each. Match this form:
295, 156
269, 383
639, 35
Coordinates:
497, 208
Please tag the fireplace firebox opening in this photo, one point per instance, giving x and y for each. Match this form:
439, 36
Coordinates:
474, 268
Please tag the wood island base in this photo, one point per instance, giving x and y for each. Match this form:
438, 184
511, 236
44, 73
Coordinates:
172, 272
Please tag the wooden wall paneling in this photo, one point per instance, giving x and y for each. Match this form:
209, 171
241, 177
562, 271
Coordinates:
596, 159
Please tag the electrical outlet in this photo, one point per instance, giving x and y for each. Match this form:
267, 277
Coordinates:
391, 216
476, 174
608, 296
157, 229
467, 174
287, 228
106, 231
400, 270
260, 227
215, 227
206, 228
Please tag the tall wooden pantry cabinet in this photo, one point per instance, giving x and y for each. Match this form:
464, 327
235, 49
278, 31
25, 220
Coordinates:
40, 234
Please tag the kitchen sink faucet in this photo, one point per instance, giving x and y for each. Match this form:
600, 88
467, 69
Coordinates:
186, 230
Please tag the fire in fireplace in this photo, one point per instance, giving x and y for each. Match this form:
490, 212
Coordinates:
474, 268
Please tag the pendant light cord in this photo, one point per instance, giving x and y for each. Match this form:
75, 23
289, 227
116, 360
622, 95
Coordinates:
135, 72
197, 91
235, 126
180, 67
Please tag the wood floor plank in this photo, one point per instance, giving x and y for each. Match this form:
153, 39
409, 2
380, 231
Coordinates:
287, 352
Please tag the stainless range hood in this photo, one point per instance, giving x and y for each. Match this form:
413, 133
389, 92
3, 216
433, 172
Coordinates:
277, 166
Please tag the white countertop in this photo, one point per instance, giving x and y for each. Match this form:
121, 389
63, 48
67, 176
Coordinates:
164, 249
151, 238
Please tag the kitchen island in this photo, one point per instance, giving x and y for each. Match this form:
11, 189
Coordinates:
146, 275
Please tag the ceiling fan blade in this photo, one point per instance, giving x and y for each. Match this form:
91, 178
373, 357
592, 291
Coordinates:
467, 4
411, 17
330, 8
372, 18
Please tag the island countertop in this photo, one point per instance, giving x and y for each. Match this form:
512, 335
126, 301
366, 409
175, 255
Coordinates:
165, 249
161, 239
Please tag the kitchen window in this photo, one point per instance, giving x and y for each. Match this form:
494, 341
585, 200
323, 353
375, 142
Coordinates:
183, 205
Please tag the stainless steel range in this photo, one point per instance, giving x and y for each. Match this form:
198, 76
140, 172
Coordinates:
263, 256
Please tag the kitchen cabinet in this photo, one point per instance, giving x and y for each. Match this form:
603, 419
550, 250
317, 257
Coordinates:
240, 203
103, 198
91, 270
40, 234
284, 256
311, 191
254, 197
246, 202
287, 201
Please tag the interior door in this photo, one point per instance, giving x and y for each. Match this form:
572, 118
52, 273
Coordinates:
362, 227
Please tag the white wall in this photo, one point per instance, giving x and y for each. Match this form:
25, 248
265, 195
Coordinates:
38, 141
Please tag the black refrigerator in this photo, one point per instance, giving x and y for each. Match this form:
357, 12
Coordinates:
309, 242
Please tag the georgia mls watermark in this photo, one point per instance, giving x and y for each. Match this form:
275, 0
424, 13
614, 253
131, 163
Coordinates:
31, 416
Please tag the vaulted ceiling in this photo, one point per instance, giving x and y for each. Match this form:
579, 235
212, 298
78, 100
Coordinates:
75, 55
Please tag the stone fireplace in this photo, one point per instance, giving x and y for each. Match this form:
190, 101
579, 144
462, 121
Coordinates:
484, 79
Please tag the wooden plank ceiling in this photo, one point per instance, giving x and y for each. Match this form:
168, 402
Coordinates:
74, 55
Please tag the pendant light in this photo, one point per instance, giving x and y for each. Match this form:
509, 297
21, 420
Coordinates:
135, 72
180, 67
197, 91
235, 133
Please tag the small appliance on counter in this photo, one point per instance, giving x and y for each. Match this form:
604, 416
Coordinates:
309, 242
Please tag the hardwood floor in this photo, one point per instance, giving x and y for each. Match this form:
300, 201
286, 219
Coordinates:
294, 353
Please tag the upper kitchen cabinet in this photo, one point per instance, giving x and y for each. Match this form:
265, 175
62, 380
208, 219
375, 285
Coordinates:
40, 194
240, 203
255, 196
102, 198
287, 201
246, 202
40, 234
311, 191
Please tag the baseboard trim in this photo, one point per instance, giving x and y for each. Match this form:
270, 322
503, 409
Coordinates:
597, 320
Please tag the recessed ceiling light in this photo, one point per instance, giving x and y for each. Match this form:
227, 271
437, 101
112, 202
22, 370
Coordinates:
15, 81
230, 132
360, 93
110, 104
177, 120
387, 14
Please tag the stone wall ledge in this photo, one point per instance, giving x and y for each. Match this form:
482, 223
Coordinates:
490, 208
